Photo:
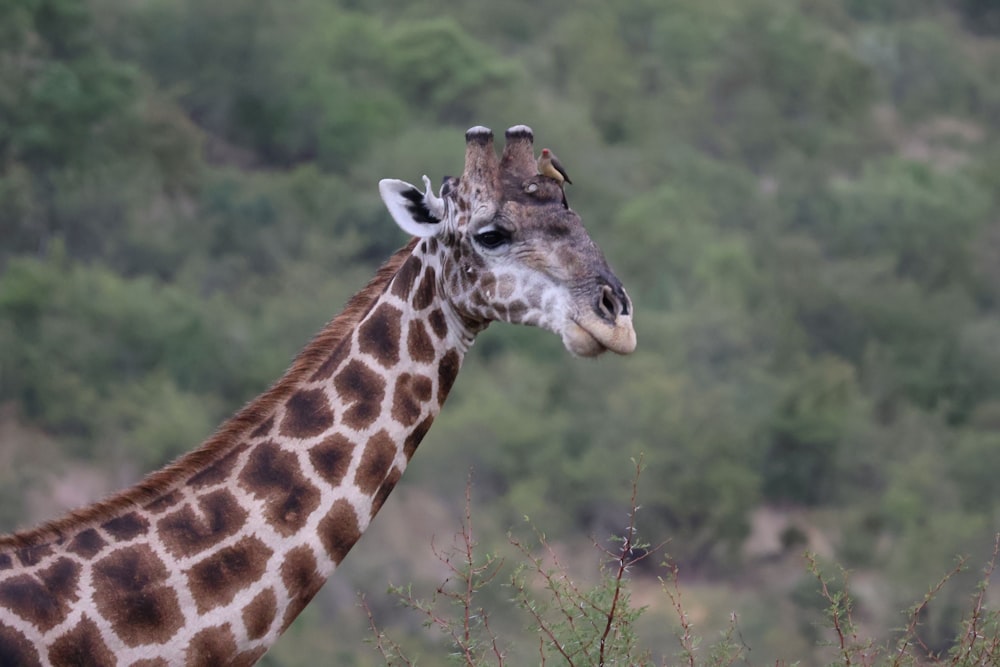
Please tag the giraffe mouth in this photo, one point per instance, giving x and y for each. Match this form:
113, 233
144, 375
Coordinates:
590, 336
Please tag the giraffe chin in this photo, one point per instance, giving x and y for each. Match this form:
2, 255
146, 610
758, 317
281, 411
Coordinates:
591, 336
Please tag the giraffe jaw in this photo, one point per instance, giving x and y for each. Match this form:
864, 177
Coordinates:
589, 336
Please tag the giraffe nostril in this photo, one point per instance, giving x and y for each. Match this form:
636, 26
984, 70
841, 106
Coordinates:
608, 305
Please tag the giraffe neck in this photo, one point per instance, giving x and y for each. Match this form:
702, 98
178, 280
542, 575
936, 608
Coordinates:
218, 558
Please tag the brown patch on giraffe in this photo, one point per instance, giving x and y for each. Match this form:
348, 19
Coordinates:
220, 470
469, 277
264, 429
274, 476
187, 532
215, 580
424, 295
126, 526
385, 489
507, 284
151, 662
380, 333
516, 310
438, 322
419, 343
307, 414
86, 543
339, 530
447, 372
301, 580
332, 363
15, 649
402, 284
413, 440
431, 245
410, 393
478, 298
457, 282
362, 389
488, 284
43, 598
164, 502
378, 456
247, 658
332, 457
33, 555
210, 647
130, 592
258, 615
81, 647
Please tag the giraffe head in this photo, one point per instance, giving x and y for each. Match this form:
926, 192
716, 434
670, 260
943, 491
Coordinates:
509, 248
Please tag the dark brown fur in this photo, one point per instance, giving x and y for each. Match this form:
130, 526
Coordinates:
231, 433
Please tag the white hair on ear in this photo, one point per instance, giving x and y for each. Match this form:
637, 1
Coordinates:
409, 208
434, 203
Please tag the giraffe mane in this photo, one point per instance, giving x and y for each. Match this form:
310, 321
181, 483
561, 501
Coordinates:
231, 432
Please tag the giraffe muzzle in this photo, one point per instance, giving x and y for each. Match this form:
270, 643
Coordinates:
607, 325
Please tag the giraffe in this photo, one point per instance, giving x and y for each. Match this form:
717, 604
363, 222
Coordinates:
209, 560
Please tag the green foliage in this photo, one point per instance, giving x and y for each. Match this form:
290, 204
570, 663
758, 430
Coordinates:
801, 198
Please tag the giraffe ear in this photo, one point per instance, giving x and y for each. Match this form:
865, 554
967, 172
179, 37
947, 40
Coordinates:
417, 213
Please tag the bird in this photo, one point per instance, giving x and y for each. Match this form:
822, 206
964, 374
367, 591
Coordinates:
549, 165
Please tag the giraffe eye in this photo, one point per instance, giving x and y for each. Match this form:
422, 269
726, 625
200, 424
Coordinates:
492, 238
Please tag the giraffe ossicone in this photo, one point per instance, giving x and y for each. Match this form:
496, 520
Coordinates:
208, 561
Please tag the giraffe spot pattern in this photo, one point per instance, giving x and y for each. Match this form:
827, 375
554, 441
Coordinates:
258, 615
274, 476
126, 526
332, 363
86, 543
363, 389
33, 555
302, 581
339, 530
407, 275
423, 296
43, 599
332, 457
186, 532
248, 658
385, 489
210, 647
130, 592
81, 647
375, 461
516, 310
447, 372
416, 435
408, 397
165, 502
151, 662
488, 285
219, 471
15, 649
438, 322
380, 333
216, 579
507, 284
418, 343
307, 413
